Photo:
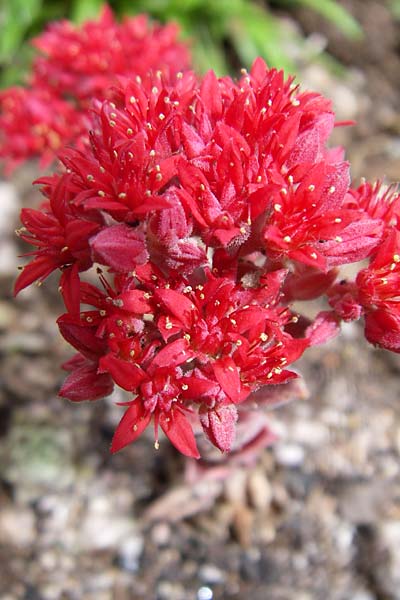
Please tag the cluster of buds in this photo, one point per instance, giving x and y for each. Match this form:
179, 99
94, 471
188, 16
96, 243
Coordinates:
184, 234
74, 66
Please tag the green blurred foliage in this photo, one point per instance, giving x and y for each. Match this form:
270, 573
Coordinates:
395, 8
332, 11
221, 32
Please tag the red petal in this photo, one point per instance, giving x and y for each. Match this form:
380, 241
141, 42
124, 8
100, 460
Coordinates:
70, 289
38, 269
81, 336
324, 328
74, 362
132, 424
177, 304
172, 355
227, 375
84, 383
191, 140
383, 329
134, 301
307, 283
77, 233
195, 387
180, 433
210, 94
125, 374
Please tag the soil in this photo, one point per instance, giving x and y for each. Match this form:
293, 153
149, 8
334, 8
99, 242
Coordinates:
317, 517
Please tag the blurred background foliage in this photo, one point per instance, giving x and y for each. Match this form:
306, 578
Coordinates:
223, 33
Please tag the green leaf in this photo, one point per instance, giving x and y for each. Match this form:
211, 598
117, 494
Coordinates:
85, 9
16, 16
256, 32
395, 8
208, 54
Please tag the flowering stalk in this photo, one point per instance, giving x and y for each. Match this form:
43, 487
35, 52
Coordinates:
208, 207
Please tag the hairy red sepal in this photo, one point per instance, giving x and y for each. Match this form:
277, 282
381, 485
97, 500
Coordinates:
120, 247
219, 426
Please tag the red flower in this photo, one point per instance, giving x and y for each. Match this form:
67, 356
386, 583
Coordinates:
36, 122
84, 381
212, 206
77, 65
378, 293
61, 236
378, 201
83, 61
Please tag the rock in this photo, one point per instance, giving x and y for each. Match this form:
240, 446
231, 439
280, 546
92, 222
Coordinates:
8, 315
161, 534
363, 595
235, 487
183, 501
167, 590
362, 503
26, 343
259, 490
17, 527
211, 574
204, 593
310, 433
289, 455
242, 524
38, 458
389, 538
130, 552
102, 528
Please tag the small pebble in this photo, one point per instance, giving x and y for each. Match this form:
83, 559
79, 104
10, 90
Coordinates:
161, 534
205, 593
211, 574
259, 489
289, 455
130, 552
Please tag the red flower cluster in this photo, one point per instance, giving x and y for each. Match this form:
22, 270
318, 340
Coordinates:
74, 66
376, 291
209, 207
